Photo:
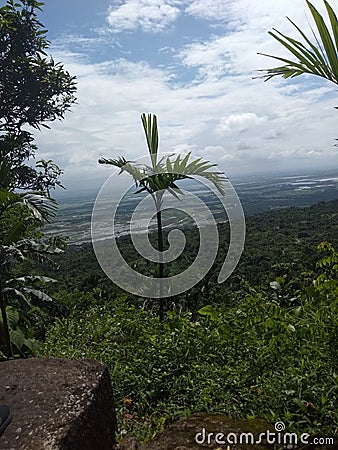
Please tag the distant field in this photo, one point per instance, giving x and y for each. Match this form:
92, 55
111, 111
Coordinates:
266, 193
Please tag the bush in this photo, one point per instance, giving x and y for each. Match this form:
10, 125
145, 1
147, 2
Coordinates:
259, 359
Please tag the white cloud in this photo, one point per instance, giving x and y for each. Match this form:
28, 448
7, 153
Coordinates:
222, 113
239, 122
210, 9
213, 58
300, 153
233, 50
149, 15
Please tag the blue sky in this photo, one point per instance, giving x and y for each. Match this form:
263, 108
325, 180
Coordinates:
191, 62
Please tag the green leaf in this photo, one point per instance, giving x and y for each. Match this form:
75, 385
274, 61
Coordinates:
275, 285
151, 132
321, 60
18, 338
326, 39
18, 295
208, 311
12, 317
35, 279
39, 295
333, 21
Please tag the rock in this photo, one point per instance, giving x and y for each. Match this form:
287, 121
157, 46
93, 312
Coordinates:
57, 404
214, 431
202, 431
128, 444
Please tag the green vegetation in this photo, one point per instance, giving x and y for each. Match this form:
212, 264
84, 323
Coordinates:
263, 344
20, 215
33, 89
272, 354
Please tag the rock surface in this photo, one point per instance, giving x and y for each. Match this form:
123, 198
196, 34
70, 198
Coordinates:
188, 434
57, 404
202, 431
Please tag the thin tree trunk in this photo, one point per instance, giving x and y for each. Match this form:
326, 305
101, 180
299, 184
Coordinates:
9, 349
160, 264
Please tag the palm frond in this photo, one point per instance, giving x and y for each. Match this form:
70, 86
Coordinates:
333, 22
149, 123
125, 166
41, 207
328, 44
320, 59
118, 162
33, 279
163, 174
182, 168
39, 295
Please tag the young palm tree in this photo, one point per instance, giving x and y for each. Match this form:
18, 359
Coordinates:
320, 59
161, 176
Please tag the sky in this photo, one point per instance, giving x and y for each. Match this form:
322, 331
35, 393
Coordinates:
194, 64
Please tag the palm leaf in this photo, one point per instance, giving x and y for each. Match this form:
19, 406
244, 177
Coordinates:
42, 208
321, 60
326, 39
34, 279
333, 21
312, 61
198, 167
151, 131
125, 166
318, 53
119, 162
42, 296
163, 174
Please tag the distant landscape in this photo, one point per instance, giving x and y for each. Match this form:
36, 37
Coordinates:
257, 194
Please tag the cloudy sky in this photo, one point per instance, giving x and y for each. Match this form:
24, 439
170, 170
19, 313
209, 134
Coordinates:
193, 63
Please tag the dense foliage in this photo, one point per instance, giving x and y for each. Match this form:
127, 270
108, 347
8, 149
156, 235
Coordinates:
263, 348
270, 356
33, 89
